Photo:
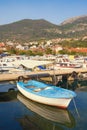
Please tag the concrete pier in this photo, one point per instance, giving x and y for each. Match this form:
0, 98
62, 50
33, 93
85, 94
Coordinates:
14, 76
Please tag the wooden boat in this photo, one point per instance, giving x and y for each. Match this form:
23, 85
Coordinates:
53, 114
45, 93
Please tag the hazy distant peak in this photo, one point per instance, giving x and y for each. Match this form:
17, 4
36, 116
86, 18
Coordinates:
70, 20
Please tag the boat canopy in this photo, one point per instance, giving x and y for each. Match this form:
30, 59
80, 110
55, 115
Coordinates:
30, 64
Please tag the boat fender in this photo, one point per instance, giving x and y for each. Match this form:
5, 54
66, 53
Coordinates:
20, 78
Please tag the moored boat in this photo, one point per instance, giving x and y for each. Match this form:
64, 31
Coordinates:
45, 93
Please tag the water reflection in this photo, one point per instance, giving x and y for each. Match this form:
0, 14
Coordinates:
8, 96
7, 86
46, 116
78, 85
7, 92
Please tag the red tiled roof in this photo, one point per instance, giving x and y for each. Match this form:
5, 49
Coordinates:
2, 45
79, 49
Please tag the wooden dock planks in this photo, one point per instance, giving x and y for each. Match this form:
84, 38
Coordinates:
14, 76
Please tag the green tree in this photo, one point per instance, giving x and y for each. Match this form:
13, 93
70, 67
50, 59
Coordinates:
48, 51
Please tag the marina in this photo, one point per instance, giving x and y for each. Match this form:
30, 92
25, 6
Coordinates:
11, 67
43, 65
22, 113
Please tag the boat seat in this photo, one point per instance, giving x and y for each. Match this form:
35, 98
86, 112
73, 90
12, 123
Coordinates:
39, 89
47, 88
30, 86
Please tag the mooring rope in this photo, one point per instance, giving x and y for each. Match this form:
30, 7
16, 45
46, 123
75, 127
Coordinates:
76, 108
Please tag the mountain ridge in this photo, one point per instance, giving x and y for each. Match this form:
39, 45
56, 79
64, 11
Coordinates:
70, 20
27, 29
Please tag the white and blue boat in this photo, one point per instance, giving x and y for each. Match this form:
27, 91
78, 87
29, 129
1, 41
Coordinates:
45, 93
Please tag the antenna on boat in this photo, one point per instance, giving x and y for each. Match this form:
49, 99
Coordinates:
76, 107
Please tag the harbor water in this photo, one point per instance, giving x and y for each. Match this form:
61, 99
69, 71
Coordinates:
20, 113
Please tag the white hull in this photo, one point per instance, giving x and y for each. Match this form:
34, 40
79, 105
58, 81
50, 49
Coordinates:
59, 102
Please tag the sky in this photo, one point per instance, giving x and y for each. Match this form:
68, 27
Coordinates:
54, 11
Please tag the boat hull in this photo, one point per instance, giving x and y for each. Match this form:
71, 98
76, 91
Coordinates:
59, 102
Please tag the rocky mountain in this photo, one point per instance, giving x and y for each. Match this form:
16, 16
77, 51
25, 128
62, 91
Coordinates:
75, 27
71, 20
28, 29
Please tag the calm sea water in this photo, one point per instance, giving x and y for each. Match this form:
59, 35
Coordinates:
19, 113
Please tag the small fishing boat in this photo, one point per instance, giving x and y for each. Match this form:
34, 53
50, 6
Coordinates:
46, 93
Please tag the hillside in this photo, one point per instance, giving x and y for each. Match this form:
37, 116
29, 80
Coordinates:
28, 29
71, 20
75, 27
